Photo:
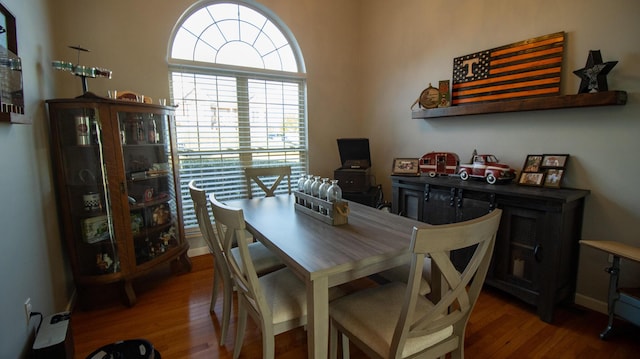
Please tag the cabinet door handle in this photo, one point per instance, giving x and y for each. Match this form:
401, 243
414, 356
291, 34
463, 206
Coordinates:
537, 253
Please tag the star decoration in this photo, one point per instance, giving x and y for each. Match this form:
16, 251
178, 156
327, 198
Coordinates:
594, 73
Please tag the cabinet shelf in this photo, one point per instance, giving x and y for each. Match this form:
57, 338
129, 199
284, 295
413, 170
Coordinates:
607, 98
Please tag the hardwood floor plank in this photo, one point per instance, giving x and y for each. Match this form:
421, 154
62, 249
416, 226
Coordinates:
173, 313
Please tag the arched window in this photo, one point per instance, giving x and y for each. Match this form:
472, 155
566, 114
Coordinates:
238, 78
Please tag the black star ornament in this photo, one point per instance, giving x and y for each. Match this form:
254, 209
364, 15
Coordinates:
594, 73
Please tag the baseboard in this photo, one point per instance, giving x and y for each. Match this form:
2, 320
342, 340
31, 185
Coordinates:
199, 251
590, 303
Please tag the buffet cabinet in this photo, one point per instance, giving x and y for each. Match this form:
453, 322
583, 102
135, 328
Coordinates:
117, 188
536, 252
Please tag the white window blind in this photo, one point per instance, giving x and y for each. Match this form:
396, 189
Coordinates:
241, 98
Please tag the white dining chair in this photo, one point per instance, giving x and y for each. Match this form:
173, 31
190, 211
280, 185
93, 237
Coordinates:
395, 321
276, 301
273, 176
265, 261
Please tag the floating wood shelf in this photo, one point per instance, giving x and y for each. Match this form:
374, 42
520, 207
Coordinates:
607, 98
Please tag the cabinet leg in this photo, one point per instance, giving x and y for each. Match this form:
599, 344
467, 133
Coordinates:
182, 264
130, 293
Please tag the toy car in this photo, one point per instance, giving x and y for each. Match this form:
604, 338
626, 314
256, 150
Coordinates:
488, 168
439, 163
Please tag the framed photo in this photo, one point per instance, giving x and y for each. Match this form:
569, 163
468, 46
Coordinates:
531, 178
553, 177
406, 167
532, 163
554, 160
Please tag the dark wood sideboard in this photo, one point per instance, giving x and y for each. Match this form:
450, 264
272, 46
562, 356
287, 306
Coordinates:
536, 252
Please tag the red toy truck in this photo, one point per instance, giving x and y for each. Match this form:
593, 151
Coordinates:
487, 167
439, 163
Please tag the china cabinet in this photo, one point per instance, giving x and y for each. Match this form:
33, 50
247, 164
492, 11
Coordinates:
115, 165
535, 257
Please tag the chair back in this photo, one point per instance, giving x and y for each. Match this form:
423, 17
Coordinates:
260, 175
203, 217
232, 229
459, 291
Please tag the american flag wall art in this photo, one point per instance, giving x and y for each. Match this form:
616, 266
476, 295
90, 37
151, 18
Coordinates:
525, 69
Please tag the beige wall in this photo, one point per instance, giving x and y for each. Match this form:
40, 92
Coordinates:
409, 43
367, 61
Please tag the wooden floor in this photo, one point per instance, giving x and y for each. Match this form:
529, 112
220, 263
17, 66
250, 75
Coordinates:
173, 313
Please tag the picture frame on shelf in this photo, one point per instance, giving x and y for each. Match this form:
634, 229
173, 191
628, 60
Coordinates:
532, 173
555, 160
406, 167
533, 163
546, 170
531, 179
553, 177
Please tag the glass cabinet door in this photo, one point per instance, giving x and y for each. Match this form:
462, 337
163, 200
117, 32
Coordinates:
149, 183
87, 197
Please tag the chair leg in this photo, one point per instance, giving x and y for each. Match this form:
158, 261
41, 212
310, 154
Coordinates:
333, 342
227, 293
242, 323
268, 342
214, 292
345, 347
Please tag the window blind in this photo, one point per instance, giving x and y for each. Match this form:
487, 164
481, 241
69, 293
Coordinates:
226, 121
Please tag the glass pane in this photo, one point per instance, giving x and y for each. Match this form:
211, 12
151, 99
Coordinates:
150, 187
80, 136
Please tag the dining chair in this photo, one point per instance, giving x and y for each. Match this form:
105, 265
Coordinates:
407, 324
276, 301
401, 274
265, 261
260, 174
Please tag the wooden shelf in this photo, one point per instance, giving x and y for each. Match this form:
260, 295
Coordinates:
607, 98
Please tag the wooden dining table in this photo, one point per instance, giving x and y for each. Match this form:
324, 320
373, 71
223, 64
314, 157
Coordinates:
325, 255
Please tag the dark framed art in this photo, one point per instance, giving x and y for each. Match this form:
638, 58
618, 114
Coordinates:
554, 160
531, 179
12, 95
532, 173
553, 177
406, 167
532, 163
543, 170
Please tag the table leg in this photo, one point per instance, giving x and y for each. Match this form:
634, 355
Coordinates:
613, 297
318, 318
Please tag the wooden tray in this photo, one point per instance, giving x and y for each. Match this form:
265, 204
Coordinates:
333, 213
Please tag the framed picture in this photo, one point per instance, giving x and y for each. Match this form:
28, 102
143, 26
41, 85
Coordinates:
543, 170
553, 177
532, 163
406, 167
554, 160
531, 178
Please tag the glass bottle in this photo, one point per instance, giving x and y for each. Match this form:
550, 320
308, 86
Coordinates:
307, 188
301, 181
322, 193
334, 193
315, 187
307, 184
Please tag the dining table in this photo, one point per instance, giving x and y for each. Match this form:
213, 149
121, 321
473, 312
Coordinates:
323, 255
